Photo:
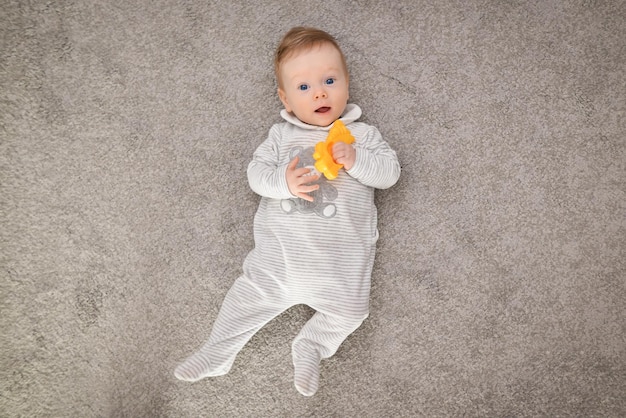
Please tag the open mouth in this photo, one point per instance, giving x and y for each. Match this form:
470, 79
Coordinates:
323, 109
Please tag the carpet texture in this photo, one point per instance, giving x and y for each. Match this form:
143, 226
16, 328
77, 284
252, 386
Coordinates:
499, 287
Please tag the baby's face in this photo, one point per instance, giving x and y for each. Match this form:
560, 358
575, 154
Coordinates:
315, 85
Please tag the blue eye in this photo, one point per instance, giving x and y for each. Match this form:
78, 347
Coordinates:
330, 81
303, 87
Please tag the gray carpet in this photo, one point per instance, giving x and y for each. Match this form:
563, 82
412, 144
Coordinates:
499, 287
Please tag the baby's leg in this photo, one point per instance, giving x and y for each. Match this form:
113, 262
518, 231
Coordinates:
245, 310
319, 339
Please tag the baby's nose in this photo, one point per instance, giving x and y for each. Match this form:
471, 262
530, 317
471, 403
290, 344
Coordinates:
320, 94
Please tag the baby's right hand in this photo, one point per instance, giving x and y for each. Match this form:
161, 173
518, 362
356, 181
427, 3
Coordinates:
299, 179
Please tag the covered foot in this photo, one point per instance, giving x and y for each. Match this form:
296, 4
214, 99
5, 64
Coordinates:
197, 367
306, 371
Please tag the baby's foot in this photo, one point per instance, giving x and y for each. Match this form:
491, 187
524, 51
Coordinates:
307, 372
195, 368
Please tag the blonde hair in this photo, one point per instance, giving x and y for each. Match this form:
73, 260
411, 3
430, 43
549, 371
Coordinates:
302, 38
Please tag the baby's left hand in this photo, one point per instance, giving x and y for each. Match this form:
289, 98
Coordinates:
344, 154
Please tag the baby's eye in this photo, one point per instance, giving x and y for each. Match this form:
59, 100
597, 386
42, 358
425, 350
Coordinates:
330, 81
303, 87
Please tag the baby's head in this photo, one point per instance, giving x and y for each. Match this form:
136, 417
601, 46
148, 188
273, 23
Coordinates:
312, 76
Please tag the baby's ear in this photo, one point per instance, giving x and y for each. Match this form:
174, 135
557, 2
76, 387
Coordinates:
283, 98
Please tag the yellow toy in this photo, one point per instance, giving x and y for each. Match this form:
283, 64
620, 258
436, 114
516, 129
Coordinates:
324, 162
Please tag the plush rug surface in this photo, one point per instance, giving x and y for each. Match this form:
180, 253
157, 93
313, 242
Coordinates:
499, 287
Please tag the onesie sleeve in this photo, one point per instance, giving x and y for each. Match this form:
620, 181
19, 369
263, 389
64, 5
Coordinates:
267, 177
376, 164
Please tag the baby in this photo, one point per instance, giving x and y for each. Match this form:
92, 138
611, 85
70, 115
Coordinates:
315, 238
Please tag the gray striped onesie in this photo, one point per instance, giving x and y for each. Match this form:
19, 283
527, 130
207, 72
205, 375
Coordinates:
316, 253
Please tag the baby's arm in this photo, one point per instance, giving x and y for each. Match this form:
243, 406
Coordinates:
376, 164
265, 175
269, 178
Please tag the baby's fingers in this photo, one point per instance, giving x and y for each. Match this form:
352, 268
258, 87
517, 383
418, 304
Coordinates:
293, 163
304, 188
301, 172
305, 196
306, 177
